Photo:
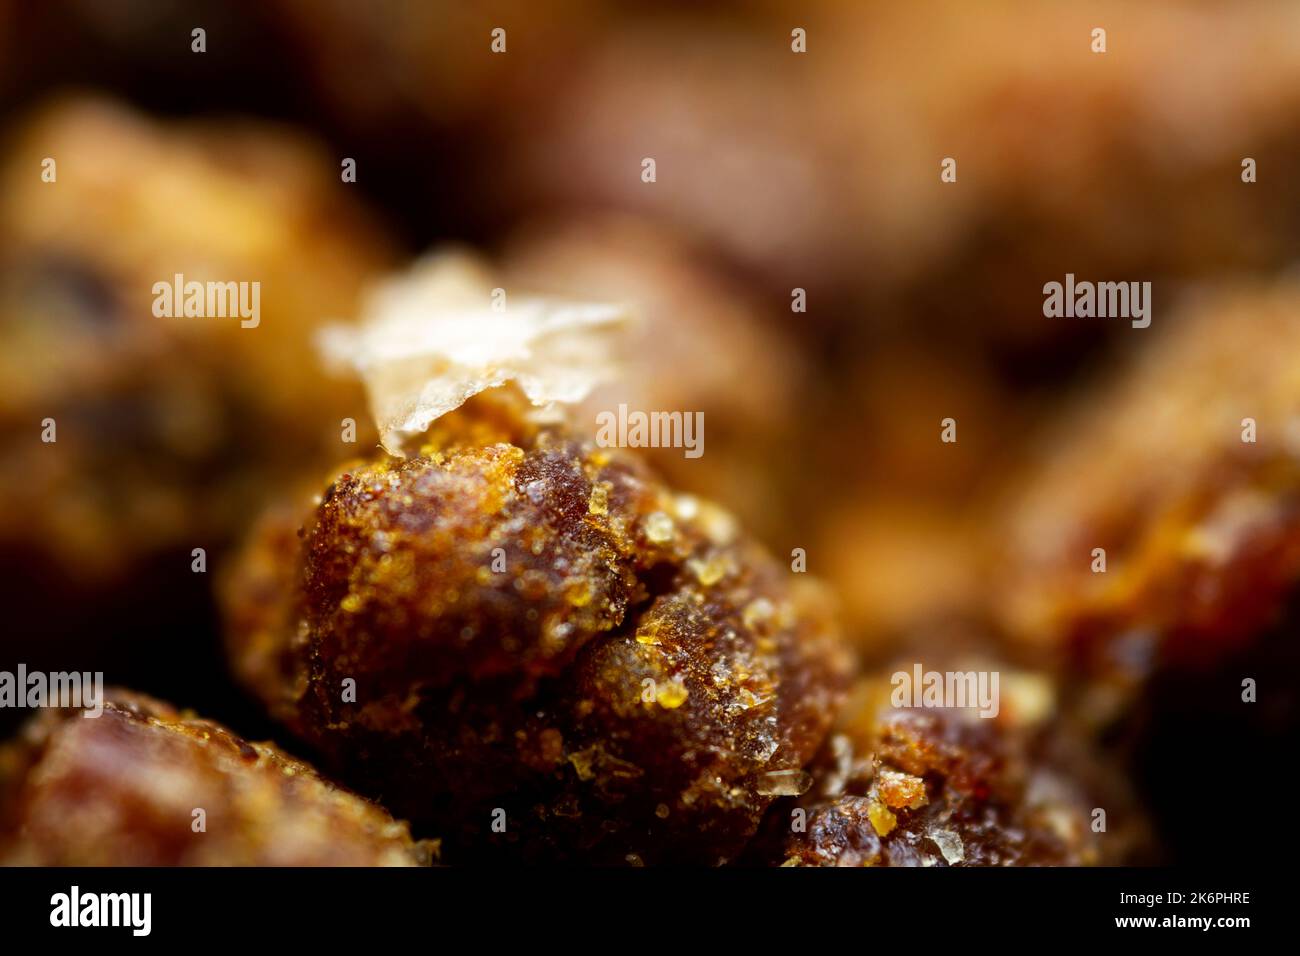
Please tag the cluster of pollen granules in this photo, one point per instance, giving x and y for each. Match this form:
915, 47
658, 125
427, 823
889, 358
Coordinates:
145, 785
945, 787
532, 647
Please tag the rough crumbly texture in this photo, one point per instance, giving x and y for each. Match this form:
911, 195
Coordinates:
946, 787
121, 790
541, 636
1201, 530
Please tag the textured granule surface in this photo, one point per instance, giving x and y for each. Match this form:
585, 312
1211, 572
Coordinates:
530, 645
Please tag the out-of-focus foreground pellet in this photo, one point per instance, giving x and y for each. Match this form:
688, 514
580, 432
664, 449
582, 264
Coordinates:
143, 784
